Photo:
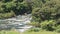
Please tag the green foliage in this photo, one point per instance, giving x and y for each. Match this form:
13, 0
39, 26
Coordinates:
48, 25
46, 13
58, 29
36, 4
7, 15
35, 24
10, 5
48, 10
36, 15
34, 30
17, 6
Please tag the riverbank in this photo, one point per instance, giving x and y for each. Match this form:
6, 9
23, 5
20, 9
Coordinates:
16, 32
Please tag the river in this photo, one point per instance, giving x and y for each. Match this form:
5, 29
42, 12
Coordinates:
19, 23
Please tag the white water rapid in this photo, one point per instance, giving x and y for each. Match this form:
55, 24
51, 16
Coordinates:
19, 22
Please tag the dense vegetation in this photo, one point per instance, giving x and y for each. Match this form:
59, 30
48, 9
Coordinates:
45, 13
11, 8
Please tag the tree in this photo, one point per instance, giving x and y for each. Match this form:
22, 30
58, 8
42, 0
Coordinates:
46, 10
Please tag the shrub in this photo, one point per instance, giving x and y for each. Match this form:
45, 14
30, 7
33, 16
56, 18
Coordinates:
48, 25
35, 24
58, 28
6, 15
34, 29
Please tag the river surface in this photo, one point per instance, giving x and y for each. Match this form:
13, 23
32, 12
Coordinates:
19, 23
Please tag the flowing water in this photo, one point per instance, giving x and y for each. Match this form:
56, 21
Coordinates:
19, 23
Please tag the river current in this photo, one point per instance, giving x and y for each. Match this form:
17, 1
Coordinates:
19, 23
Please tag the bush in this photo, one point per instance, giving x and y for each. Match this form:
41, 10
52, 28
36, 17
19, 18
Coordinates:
48, 25
6, 15
58, 29
34, 29
35, 24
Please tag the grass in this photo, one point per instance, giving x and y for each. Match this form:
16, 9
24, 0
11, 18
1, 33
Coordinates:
15, 32
9, 32
41, 32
